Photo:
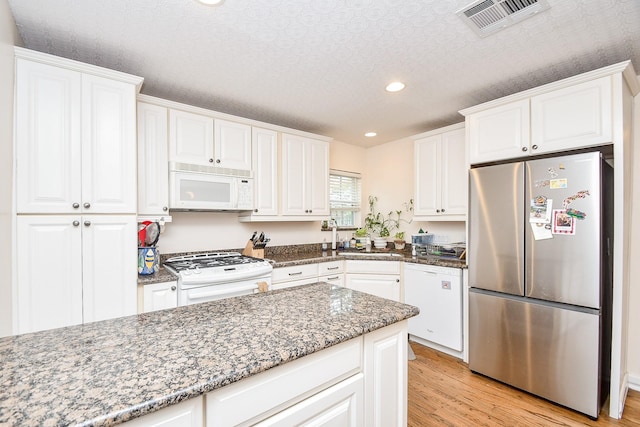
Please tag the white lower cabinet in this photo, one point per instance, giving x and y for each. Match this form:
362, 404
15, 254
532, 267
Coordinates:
385, 376
340, 405
189, 413
361, 382
437, 291
377, 278
73, 269
160, 296
331, 272
287, 277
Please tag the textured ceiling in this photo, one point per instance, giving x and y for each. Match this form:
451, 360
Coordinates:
321, 66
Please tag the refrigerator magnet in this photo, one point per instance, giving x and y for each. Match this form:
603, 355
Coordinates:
555, 184
541, 183
563, 223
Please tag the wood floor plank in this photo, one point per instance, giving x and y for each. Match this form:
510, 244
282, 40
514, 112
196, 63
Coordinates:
444, 392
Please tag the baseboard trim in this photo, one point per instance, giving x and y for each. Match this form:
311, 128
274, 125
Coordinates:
634, 382
435, 346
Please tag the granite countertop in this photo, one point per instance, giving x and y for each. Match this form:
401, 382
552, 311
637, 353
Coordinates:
107, 372
286, 259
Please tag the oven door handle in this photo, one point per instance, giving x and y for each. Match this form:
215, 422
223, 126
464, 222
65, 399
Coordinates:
230, 291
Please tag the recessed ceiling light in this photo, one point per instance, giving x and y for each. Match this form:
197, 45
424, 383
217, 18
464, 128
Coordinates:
211, 2
370, 134
394, 87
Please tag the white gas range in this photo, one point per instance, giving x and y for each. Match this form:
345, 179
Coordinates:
212, 276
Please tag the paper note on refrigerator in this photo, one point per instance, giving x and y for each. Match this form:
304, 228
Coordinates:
541, 231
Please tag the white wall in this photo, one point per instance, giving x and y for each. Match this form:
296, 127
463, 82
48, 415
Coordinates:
201, 231
8, 38
633, 347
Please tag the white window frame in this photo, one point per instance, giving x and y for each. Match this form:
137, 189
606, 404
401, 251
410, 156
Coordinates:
357, 207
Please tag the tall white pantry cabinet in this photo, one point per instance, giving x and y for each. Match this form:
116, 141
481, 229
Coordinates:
75, 144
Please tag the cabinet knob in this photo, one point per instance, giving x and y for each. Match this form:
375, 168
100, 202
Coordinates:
76, 205
306, 211
217, 160
173, 288
534, 147
87, 205
524, 148
255, 210
397, 280
87, 223
437, 210
76, 223
164, 208
310, 211
210, 160
442, 210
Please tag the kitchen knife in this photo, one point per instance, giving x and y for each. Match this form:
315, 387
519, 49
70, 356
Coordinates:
252, 239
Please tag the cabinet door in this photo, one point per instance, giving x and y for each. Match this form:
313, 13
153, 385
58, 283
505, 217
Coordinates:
232, 145
159, 296
293, 175
454, 174
385, 373
317, 190
48, 138
49, 273
189, 413
108, 146
340, 405
153, 169
573, 117
379, 285
109, 266
265, 171
499, 133
427, 168
190, 138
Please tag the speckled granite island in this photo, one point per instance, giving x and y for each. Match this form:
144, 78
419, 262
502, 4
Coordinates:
322, 340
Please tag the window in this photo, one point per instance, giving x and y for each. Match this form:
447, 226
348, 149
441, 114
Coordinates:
344, 197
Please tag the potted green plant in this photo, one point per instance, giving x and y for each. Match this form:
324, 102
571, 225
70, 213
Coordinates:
399, 240
380, 226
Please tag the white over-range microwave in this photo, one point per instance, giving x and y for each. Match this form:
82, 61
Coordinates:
189, 190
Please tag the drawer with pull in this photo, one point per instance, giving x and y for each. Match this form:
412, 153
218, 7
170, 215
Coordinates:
296, 272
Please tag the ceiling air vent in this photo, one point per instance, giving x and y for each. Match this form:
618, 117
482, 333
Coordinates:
488, 16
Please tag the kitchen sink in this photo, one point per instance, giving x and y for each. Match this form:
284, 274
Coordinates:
371, 254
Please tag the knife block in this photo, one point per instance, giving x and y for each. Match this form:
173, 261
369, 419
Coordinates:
249, 250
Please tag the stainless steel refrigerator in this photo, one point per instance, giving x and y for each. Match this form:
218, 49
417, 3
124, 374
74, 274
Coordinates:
540, 277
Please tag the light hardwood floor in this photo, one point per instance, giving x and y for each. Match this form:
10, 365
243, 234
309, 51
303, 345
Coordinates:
444, 392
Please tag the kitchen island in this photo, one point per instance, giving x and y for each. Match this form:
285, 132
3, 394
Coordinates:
108, 372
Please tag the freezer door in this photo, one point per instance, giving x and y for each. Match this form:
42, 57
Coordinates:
496, 229
548, 351
565, 268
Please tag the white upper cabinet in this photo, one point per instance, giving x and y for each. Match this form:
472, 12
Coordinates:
190, 138
499, 133
153, 171
305, 176
441, 175
75, 141
48, 137
573, 117
232, 145
265, 172
108, 146
574, 113
200, 140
